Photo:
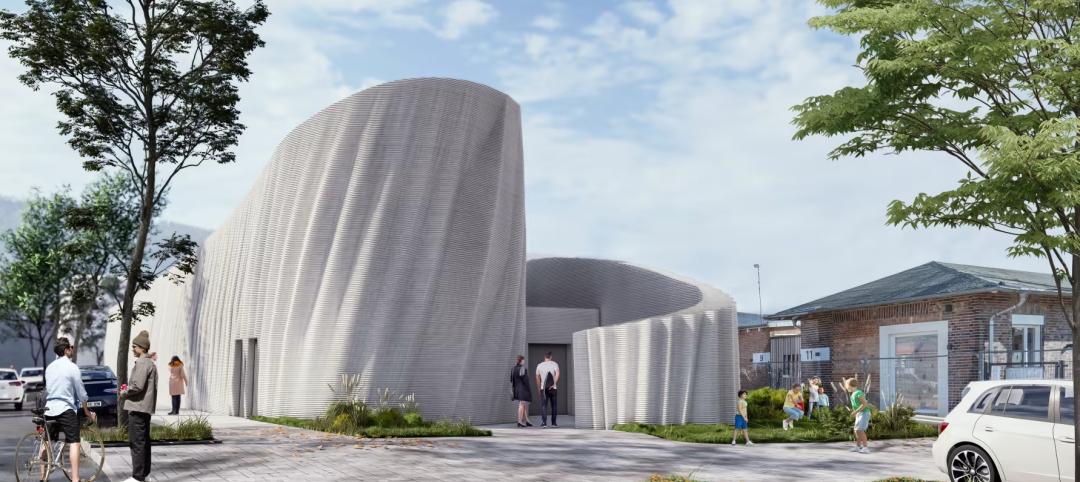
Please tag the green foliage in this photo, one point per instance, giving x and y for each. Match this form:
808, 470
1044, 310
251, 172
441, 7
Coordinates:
992, 85
766, 404
805, 431
897, 417
413, 419
148, 93
43, 254
436, 429
187, 429
671, 478
388, 417
348, 416
836, 421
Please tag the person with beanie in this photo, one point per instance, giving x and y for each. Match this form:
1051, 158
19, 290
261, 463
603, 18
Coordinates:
140, 397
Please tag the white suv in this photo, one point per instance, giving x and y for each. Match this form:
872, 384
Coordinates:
11, 388
1009, 430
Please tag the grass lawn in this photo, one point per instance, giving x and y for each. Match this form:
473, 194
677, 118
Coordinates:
427, 429
764, 433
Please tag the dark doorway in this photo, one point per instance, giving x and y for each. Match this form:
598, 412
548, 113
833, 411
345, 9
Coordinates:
560, 354
238, 378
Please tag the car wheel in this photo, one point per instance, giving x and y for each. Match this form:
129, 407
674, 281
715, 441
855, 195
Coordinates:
18, 407
968, 463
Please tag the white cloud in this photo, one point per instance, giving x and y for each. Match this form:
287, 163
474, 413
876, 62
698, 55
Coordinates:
463, 15
644, 11
546, 22
706, 181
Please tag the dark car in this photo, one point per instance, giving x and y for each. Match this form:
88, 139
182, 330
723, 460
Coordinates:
101, 389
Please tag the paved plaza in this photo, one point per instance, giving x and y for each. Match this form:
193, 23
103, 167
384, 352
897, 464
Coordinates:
255, 451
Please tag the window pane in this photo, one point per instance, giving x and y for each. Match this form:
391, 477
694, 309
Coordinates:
1066, 408
8, 376
984, 401
1028, 402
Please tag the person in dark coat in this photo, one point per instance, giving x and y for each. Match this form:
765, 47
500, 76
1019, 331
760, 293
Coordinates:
519, 385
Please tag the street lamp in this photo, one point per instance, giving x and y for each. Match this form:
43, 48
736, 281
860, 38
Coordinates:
759, 312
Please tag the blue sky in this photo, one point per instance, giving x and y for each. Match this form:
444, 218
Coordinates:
656, 132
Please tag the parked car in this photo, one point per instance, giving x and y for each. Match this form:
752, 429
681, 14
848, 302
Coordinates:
12, 389
33, 377
101, 389
1009, 430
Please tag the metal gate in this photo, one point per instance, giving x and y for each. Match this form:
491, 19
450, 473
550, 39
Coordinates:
784, 353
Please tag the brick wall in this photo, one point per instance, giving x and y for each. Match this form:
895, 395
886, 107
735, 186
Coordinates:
752, 340
853, 335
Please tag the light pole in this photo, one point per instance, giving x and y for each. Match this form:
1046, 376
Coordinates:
759, 312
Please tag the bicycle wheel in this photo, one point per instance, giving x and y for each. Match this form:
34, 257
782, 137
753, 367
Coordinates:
91, 455
33, 459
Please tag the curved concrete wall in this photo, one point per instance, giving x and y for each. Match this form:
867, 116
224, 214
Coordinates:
670, 370
662, 348
386, 238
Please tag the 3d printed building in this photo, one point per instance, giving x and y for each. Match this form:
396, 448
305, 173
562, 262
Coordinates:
386, 238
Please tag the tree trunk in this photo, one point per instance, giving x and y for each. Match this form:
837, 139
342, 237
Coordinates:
134, 272
1075, 282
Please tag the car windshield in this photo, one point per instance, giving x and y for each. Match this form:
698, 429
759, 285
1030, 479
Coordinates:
32, 373
8, 376
88, 375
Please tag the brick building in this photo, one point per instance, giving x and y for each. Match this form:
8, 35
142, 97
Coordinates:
922, 334
768, 351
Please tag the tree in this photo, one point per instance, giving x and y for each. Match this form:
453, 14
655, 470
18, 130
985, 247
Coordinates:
148, 90
36, 272
994, 85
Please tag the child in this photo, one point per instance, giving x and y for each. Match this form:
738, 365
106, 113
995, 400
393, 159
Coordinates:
742, 420
822, 399
791, 406
860, 409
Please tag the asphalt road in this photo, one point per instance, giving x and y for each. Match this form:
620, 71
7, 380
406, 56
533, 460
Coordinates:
13, 425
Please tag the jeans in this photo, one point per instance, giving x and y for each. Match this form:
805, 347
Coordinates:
548, 396
139, 441
793, 413
175, 404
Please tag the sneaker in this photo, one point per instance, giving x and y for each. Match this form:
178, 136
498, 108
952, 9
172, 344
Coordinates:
732, 442
854, 449
749, 442
554, 425
864, 450
543, 425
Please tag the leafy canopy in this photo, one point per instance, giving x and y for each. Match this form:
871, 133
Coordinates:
993, 84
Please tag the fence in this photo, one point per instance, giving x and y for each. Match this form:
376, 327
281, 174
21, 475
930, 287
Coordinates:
931, 384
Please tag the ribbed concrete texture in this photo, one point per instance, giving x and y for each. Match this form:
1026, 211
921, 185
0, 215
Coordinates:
663, 348
385, 238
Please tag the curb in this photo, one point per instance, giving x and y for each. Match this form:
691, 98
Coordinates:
167, 443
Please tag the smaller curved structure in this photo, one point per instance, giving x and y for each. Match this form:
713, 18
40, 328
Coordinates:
645, 346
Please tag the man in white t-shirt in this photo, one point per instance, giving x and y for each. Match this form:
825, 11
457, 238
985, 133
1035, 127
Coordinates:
547, 379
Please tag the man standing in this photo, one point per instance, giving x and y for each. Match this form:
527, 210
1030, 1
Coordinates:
140, 398
547, 378
64, 394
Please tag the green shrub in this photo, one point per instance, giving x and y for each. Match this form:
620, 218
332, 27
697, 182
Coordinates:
766, 404
897, 417
347, 416
413, 419
387, 418
835, 421
187, 429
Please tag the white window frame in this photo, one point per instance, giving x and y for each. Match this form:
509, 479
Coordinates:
887, 349
1030, 324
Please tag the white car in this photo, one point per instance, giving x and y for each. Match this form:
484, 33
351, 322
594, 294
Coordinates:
1009, 430
11, 388
33, 377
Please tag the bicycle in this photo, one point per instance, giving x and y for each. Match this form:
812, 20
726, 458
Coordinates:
37, 455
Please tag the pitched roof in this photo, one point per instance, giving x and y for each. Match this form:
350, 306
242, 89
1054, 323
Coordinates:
931, 280
749, 319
